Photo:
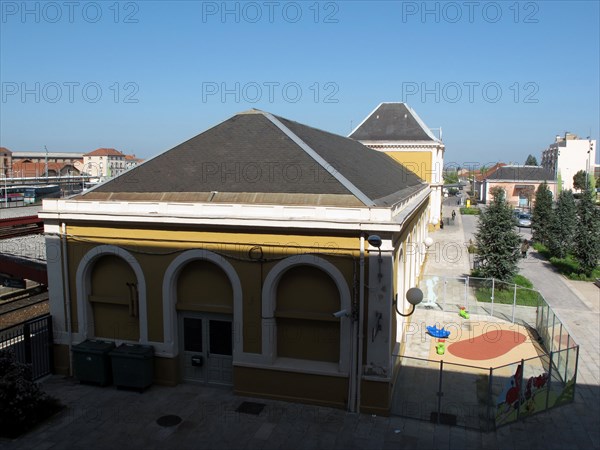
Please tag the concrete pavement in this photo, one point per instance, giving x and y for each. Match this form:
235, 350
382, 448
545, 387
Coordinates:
107, 418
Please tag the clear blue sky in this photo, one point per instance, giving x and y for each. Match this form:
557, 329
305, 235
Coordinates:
500, 78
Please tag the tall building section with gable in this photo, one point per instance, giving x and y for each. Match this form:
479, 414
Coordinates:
396, 130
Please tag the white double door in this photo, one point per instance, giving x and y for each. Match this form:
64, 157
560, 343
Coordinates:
206, 347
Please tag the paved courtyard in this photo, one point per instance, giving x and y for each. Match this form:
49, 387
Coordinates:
107, 418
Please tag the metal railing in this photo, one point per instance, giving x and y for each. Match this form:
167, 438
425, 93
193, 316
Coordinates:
488, 397
31, 343
483, 398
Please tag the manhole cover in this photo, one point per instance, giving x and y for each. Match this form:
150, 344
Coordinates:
168, 421
251, 408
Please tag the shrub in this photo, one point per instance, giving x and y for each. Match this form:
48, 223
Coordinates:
22, 403
470, 211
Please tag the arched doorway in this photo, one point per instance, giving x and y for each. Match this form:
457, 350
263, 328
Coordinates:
205, 302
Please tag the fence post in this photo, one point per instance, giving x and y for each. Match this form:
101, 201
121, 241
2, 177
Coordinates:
575, 373
440, 393
493, 290
521, 388
444, 299
567, 361
467, 293
50, 343
491, 419
27, 342
514, 304
552, 337
549, 380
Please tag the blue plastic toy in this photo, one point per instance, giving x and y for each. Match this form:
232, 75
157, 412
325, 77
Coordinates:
438, 332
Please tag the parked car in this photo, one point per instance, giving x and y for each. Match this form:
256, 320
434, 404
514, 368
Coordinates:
524, 220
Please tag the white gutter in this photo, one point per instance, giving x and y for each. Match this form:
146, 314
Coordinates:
66, 291
361, 296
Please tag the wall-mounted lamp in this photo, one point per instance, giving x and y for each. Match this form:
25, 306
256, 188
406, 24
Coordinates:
428, 242
414, 297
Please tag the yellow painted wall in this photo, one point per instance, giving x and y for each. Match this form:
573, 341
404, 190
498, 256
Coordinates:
155, 249
417, 162
375, 397
292, 386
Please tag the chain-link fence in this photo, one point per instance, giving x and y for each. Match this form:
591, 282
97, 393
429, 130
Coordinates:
488, 397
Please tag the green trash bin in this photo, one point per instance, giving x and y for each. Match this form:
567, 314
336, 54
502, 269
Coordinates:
132, 366
91, 361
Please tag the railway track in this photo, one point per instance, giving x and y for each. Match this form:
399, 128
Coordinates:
27, 300
20, 226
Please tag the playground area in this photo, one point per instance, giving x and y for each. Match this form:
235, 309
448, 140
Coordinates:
487, 371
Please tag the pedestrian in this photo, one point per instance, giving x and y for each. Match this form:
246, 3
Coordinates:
453, 215
442, 224
524, 248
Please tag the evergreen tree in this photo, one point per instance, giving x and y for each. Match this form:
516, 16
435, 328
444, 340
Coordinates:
564, 222
592, 185
542, 214
497, 240
531, 161
559, 183
580, 180
587, 236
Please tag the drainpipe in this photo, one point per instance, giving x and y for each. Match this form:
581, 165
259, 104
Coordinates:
353, 356
66, 291
361, 296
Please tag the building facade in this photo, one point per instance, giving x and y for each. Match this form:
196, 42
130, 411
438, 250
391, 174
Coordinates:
396, 130
262, 254
104, 163
567, 156
520, 184
5, 161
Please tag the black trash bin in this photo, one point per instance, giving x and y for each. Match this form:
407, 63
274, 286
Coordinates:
133, 366
91, 361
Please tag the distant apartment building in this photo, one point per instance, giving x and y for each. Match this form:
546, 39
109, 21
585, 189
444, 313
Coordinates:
39, 164
104, 163
567, 156
5, 161
132, 161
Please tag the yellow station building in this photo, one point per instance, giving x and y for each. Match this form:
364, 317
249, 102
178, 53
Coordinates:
262, 254
397, 130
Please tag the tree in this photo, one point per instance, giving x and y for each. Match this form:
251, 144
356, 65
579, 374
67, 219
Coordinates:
580, 180
587, 235
592, 185
542, 214
564, 222
497, 240
531, 161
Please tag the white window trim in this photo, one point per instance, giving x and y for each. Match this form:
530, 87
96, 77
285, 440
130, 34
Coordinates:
83, 284
169, 291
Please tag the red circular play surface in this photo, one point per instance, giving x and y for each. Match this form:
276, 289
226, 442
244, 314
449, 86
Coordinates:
489, 345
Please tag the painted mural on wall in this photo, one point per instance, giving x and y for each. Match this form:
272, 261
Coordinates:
523, 397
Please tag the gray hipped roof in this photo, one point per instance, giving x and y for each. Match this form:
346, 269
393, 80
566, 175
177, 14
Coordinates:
522, 173
393, 122
255, 157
